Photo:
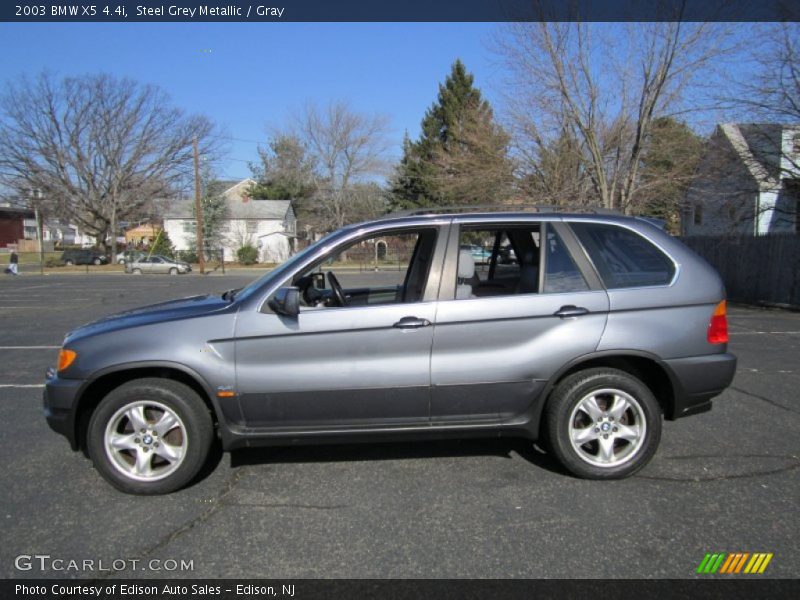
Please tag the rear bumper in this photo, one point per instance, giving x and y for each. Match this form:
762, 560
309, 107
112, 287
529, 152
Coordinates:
60, 396
698, 379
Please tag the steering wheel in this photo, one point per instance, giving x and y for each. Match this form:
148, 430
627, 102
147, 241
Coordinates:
336, 288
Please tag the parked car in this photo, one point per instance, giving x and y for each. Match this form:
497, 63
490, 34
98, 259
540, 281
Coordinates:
128, 256
83, 256
479, 254
577, 346
157, 264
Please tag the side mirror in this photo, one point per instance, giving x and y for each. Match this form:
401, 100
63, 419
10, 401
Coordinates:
286, 301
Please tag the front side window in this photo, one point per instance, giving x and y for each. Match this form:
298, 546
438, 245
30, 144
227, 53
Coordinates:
624, 258
386, 269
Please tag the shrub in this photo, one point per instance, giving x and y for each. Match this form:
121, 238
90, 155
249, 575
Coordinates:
247, 255
189, 256
52, 261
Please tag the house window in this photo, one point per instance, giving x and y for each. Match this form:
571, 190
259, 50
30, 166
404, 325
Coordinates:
698, 214
796, 143
252, 226
189, 227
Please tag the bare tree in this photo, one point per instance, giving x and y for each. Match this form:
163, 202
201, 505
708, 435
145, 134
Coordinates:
96, 148
348, 149
770, 99
604, 87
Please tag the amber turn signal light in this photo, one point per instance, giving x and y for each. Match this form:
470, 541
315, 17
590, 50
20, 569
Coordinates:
66, 358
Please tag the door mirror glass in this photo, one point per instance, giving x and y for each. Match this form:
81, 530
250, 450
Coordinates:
286, 301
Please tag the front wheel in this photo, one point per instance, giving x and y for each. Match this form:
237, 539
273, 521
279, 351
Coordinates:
150, 436
97, 262
602, 424
173, 271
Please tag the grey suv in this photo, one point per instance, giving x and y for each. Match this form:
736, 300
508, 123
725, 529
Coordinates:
600, 327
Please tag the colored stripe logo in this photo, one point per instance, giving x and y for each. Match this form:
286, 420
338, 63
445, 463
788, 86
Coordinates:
734, 563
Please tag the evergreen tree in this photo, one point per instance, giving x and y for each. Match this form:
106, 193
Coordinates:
461, 156
668, 167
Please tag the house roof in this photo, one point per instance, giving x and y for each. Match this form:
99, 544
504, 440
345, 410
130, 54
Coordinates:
253, 209
760, 147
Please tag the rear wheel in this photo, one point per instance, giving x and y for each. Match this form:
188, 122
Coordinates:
150, 436
136, 271
69, 262
602, 424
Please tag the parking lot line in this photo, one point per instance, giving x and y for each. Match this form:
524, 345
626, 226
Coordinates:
21, 385
29, 347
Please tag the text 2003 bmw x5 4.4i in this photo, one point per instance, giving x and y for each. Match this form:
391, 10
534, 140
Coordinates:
602, 325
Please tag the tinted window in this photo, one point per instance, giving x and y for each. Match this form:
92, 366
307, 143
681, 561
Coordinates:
561, 273
624, 258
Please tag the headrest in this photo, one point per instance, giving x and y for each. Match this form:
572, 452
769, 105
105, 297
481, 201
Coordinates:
466, 265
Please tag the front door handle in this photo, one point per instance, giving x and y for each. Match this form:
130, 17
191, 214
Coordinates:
411, 323
571, 311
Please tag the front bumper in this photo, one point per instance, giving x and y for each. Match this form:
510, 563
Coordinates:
698, 379
60, 400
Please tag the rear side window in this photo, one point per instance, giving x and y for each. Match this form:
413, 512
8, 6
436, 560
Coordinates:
624, 258
561, 274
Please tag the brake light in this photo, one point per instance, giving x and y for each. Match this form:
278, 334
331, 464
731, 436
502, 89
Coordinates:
718, 327
66, 358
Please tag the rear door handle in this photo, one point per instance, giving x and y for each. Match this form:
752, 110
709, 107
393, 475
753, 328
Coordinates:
411, 323
571, 311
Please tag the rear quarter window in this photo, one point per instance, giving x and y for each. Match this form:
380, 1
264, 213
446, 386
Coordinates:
623, 257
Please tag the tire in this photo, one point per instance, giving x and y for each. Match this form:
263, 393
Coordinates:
178, 432
97, 262
619, 440
173, 271
136, 272
69, 263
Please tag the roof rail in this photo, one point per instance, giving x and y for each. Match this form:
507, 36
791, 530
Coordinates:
536, 208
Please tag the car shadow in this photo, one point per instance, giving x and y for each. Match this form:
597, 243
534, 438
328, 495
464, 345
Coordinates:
502, 448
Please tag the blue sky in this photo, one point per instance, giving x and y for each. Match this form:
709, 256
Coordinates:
248, 76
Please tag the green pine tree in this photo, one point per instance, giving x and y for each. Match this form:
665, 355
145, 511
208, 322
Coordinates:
461, 156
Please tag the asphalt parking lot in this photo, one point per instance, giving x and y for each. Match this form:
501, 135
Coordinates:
723, 481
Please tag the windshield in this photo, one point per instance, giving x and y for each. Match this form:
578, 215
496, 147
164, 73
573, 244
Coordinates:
282, 270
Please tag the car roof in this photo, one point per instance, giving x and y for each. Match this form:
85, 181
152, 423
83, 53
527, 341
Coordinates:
500, 216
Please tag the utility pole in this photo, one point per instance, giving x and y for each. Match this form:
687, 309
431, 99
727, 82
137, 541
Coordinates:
198, 209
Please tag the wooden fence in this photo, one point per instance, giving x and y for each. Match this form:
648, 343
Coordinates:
761, 270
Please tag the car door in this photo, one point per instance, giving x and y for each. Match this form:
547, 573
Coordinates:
335, 367
493, 354
157, 265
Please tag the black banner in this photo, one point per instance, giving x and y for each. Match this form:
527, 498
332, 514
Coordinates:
304, 589
405, 10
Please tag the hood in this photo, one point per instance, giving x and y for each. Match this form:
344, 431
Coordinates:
184, 308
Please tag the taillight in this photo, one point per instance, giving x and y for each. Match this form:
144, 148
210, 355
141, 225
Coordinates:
718, 327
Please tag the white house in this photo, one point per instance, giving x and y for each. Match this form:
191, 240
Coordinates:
748, 182
268, 225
